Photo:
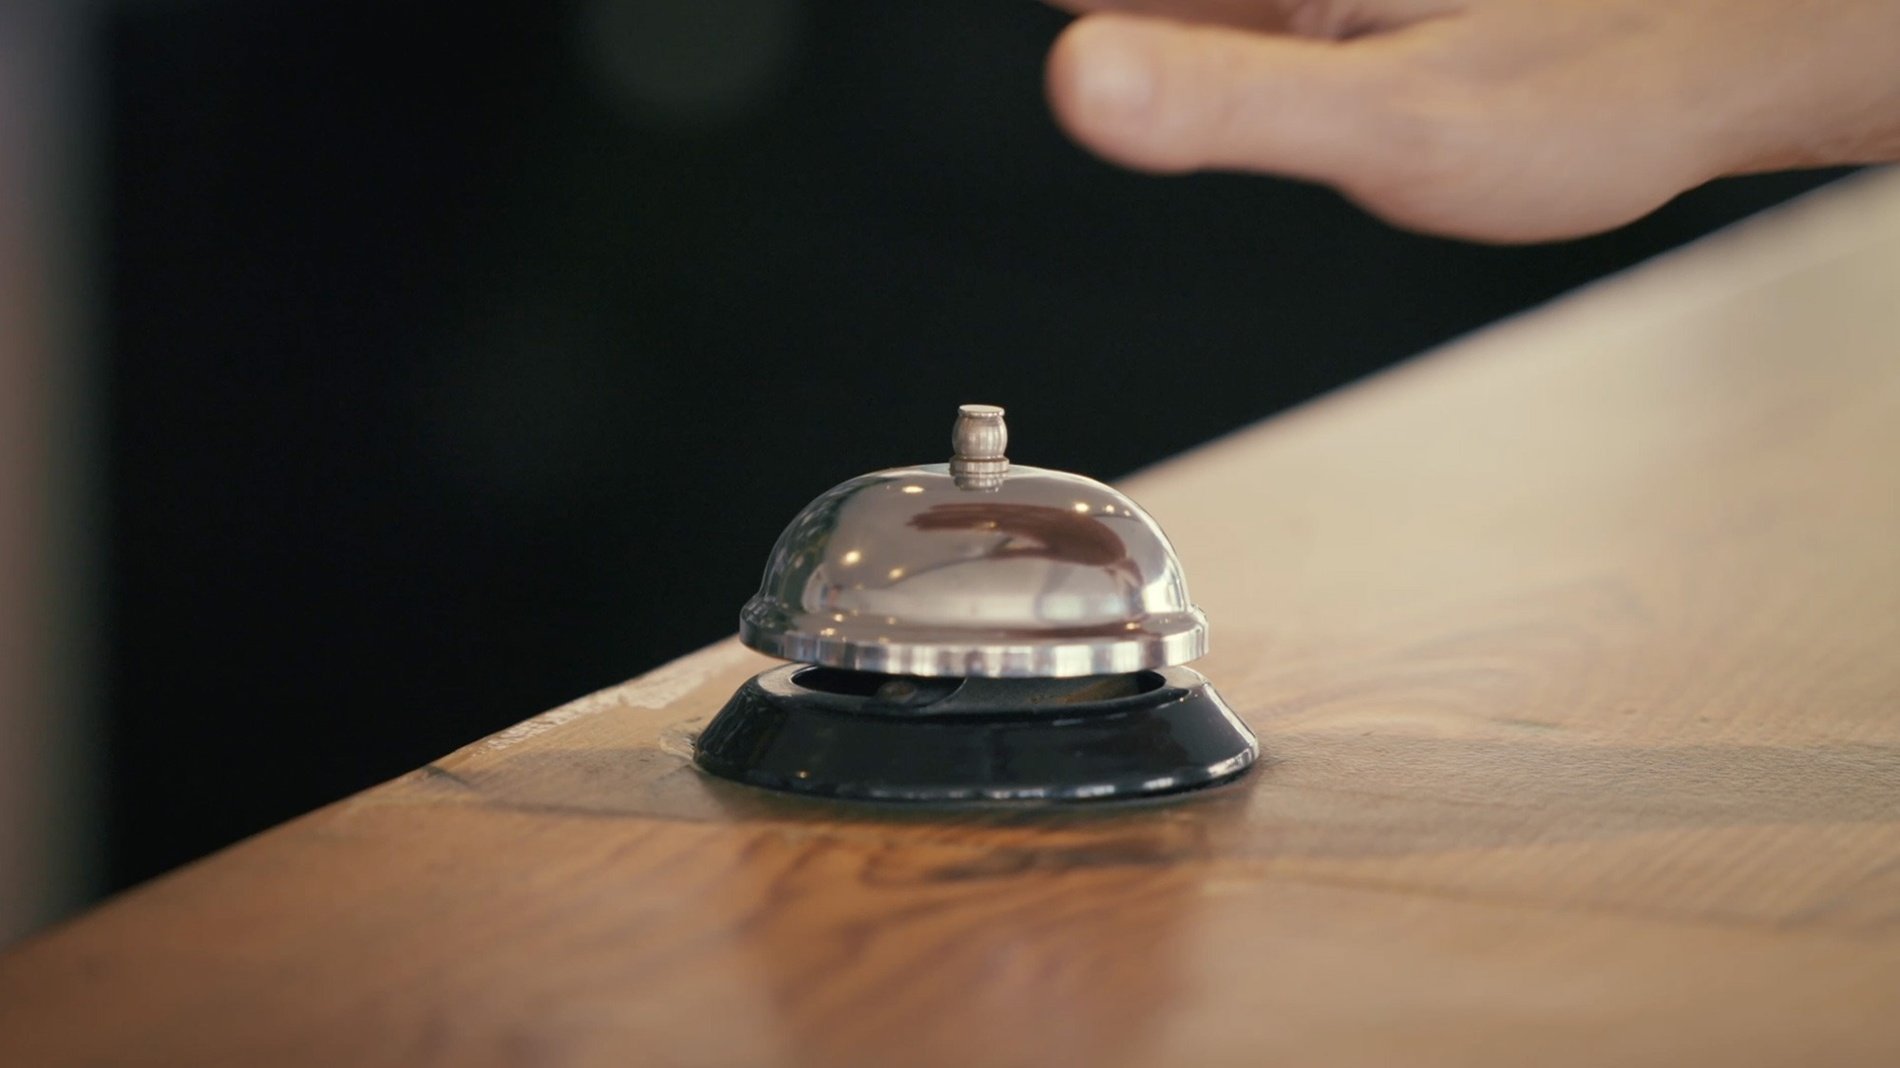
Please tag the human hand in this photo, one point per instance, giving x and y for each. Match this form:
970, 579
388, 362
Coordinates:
1495, 120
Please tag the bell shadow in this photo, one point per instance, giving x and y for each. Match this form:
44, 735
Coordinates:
902, 933
898, 933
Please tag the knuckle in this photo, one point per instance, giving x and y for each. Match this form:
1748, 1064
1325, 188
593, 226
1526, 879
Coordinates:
1328, 19
1336, 20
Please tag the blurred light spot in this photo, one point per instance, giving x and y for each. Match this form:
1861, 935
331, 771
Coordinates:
693, 62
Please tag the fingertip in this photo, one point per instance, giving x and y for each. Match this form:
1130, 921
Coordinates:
1102, 78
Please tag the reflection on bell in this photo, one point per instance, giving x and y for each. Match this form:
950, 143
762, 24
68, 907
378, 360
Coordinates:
975, 631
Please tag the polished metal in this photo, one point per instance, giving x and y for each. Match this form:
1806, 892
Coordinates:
978, 440
1000, 572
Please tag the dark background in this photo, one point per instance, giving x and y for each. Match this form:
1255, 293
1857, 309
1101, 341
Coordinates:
463, 359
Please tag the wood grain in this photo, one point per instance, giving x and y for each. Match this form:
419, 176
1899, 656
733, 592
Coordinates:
1575, 652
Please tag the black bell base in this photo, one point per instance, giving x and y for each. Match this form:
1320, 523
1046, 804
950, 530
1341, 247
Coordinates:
859, 736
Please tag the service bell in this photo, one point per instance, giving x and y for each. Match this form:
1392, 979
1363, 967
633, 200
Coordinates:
975, 631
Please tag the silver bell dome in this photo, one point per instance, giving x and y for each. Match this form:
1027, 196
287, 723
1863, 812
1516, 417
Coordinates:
976, 567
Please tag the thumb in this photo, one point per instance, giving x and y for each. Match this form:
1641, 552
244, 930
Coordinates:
1166, 96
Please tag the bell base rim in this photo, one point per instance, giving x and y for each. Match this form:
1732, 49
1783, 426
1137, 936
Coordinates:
1174, 737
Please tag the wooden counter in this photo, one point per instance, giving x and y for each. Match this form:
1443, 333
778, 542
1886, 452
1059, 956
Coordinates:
1575, 653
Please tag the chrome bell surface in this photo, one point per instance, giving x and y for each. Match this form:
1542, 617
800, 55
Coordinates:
975, 632
975, 568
